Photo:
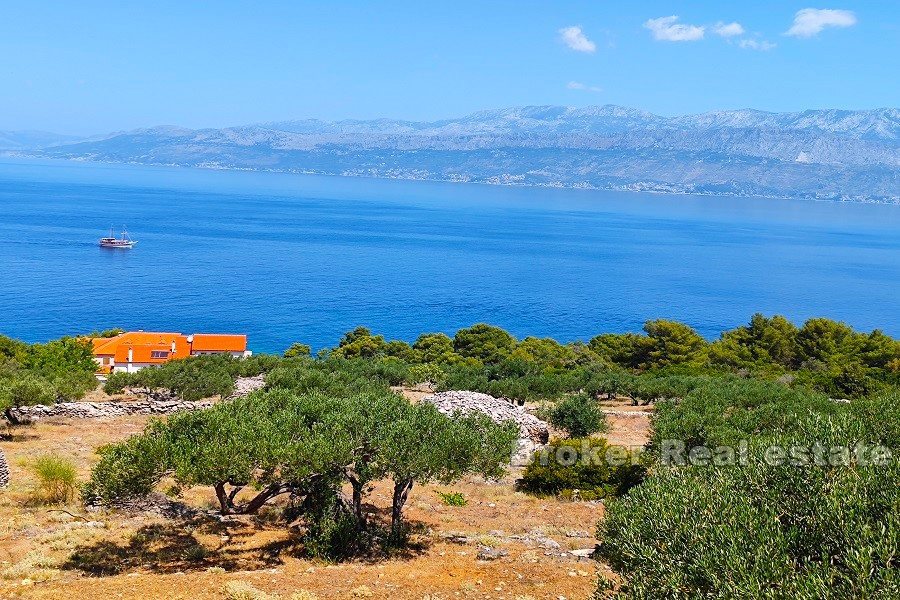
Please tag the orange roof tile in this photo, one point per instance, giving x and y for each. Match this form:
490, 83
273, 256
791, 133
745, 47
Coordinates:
145, 354
208, 342
105, 346
144, 343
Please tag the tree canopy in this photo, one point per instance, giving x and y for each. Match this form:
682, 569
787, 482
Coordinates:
305, 436
61, 369
484, 342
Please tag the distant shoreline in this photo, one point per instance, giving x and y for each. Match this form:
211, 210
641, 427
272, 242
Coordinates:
628, 188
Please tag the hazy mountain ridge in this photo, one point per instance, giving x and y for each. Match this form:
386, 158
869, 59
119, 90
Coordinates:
817, 153
33, 140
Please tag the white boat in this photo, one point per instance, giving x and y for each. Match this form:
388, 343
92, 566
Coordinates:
117, 242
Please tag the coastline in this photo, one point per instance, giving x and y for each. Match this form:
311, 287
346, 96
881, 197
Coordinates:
503, 180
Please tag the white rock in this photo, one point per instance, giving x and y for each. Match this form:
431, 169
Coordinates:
497, 409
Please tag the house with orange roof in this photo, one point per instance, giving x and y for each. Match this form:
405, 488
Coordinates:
135, 350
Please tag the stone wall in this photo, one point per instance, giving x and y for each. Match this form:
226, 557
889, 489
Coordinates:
94, 410
497, 409
155, 402
533, 433
245, 385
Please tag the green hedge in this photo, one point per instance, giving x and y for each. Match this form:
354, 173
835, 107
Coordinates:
588, 465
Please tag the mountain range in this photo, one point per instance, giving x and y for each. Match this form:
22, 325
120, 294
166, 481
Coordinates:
826, 154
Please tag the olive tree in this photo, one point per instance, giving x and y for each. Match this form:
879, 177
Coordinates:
425, 445
275, 443
304, 444
579, 415
192, 378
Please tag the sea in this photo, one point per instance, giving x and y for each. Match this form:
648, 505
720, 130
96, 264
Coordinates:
289, 257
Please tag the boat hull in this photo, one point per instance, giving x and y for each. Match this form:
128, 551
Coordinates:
116, 244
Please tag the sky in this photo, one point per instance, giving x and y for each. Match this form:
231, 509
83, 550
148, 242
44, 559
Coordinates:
94, 67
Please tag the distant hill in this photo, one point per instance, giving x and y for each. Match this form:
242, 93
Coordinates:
33, 140
834, 154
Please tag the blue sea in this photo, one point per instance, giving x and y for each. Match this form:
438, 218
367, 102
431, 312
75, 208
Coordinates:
287, 258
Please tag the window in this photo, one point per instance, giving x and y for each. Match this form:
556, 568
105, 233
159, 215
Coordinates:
159, 354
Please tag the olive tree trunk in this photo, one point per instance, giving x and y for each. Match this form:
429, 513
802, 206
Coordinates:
401, 493
227, 505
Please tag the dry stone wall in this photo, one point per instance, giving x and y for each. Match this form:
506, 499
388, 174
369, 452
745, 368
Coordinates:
98, 410
497, 409
155, 402
533, 432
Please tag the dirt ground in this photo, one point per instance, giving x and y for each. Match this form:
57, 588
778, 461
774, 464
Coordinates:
68, 552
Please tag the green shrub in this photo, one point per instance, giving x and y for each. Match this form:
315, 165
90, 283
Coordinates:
588, 465
426, 373
252, 366
579, 415
127, 469
725, 410
44, 373
453, 498
332, 531
763, 530
73, 385
56, 479
116, 382
391, 370
297, 350
28, 390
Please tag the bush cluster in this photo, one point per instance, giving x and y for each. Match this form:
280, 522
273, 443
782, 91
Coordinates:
581, 468
763, 529
579, 415
44, 373
193, 378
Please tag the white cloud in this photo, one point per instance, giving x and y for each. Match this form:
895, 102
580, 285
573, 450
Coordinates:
574, 38
754, 45
729, 29
577, 85
667, 29
808, 22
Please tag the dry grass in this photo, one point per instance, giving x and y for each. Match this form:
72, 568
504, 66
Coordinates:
241, 590
143, 555
56, 480
33, 567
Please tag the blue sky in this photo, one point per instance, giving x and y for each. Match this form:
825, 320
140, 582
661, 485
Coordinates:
89, 67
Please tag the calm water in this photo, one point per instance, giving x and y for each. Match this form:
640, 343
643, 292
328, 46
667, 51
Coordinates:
286, 258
